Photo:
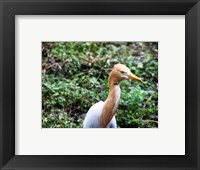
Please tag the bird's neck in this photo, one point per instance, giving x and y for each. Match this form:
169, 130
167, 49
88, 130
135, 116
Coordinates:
111, 102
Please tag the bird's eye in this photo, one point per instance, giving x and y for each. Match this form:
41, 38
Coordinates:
123, 72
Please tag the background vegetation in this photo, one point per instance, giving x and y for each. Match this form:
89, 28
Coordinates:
75, 76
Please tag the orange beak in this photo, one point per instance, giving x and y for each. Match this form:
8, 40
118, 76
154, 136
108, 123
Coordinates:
134, 77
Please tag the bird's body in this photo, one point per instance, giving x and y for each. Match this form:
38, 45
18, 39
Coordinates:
95, 112
102, 114
92, 120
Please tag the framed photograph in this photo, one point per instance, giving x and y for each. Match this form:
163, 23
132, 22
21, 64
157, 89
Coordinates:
99, 84
77, 75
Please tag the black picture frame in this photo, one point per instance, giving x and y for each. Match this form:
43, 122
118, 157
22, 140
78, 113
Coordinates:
10, 8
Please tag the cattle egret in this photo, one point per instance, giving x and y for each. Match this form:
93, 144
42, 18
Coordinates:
102, 114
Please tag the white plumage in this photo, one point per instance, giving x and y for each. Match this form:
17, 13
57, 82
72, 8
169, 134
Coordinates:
92, 117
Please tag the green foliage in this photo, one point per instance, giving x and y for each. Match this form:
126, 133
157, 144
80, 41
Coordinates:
75, 76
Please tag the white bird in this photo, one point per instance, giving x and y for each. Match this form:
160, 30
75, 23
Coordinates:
102, 114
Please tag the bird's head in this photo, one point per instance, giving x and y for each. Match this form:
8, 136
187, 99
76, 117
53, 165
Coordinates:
121, 72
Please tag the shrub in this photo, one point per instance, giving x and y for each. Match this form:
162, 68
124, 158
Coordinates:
75, 76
